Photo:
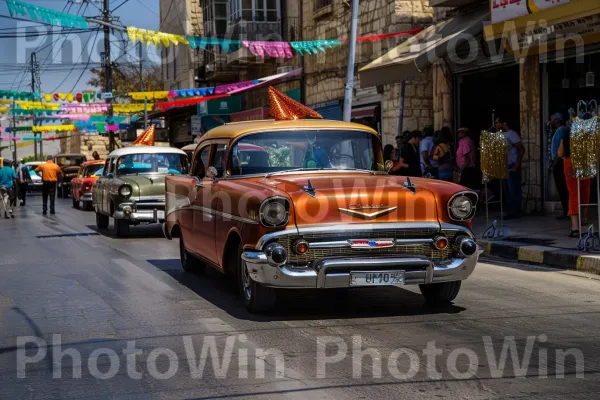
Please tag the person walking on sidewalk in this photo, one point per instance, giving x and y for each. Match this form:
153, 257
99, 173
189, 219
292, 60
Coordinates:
24, 180
557, 166
8, 179
50, 175
512, 185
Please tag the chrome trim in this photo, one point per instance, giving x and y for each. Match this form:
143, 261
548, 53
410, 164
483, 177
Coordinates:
372, 215
455, 195
347, 244
451, 227
222, 214
438, 238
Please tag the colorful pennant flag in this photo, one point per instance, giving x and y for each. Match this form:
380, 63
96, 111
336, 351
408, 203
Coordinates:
188, 102
272, 49
46, 15
314, 46
149, 95
11, 94
132, 108
144, 35
227, 45
54, 128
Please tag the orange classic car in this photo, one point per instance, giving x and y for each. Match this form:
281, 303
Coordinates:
309, 204
83, 183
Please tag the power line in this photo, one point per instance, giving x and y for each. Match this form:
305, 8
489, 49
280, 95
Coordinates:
86, 68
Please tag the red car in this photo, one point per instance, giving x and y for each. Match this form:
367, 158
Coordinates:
82, 185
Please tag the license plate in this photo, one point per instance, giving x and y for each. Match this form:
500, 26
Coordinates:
377, 278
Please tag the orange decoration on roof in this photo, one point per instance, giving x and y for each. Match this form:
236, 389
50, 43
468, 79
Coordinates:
284, 108
146, 138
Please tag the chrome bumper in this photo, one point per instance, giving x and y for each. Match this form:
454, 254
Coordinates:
335, 272
129, 212
86, 197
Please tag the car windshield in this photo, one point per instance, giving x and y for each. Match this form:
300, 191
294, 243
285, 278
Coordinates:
160, 163
272, 152
70, 161
93, 170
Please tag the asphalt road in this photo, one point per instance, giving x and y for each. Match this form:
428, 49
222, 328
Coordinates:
86, 315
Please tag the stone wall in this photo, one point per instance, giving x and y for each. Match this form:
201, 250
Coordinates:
531, 137
326, 71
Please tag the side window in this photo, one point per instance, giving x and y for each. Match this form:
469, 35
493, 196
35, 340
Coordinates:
111, 167
106, 167
219, 159
202, 162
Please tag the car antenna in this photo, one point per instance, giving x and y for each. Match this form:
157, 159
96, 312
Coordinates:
409, 185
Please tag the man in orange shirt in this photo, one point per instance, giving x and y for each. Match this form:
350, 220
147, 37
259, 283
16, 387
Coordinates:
50, 174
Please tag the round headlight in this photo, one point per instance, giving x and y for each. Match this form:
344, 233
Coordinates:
461, 208
273, 212
125, 190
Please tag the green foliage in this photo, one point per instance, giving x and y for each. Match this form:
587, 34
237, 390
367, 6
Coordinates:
280, 156
32, 158
126, 78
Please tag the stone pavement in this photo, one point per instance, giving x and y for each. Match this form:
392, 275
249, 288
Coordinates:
539, 240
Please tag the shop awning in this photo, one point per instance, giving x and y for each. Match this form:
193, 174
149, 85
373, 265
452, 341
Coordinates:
363, 112
418, 53
550, 29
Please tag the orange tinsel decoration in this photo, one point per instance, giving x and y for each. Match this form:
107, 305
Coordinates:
284, 108
146, 138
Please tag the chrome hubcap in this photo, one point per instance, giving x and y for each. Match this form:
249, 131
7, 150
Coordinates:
246, 281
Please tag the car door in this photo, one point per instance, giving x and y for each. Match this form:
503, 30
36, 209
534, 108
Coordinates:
77, 183
202, 217
103, 184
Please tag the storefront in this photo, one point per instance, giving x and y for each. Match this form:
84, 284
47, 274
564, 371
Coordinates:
214, 113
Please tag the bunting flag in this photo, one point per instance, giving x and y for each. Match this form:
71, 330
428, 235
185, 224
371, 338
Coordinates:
192, 92
314, 46
34, 105
11, 94
45, 15
235, 87
132, 108
33, 111
373, 38
144, 35
83, 108
227, 45
18, 129
149, 95
54, 128
146, 138
272, 49
187, 102
3, 110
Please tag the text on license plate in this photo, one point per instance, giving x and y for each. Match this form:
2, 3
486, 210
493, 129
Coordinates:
377, 278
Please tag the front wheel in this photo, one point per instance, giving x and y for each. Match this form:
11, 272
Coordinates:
189, 263
440, 293
101, 221
257, 298
121, 227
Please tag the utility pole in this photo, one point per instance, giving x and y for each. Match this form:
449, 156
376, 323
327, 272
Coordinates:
14, 130
108, 70
32, 66
142, 86
349, 91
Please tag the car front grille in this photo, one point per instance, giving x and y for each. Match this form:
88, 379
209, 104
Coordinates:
313, 254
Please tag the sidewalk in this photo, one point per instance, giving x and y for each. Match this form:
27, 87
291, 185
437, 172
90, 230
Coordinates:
541, 240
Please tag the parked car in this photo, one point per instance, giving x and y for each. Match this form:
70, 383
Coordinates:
189, 149
69, 163
309, 204
131, 189
36, 180
83, 184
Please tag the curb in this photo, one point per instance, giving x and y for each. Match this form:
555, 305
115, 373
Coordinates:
541, 255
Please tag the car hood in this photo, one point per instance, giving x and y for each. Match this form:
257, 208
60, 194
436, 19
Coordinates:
356, 198
146, 185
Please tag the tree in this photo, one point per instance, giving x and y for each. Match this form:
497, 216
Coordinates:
126, 78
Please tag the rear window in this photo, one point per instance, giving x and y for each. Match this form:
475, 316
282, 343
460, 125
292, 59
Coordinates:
70, 161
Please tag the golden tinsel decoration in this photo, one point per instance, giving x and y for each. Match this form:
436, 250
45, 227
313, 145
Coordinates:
284, 108
585, 148
494, 155
146, 138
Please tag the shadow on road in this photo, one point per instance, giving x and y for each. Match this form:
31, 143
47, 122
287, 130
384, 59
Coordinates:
153, 231
305, 304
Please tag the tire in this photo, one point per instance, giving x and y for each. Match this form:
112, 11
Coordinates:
189, 263
121, 227
257, 298
75, 202
64, 192
440, 293
101, 221
88, 206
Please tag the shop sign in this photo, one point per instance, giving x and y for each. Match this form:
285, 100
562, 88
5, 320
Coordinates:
224, 106
505, 10
196, 122
250, 115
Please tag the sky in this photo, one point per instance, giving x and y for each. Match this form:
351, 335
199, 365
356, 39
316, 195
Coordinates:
65, 59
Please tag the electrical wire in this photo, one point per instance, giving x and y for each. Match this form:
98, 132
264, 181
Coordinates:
87, 65
82, 72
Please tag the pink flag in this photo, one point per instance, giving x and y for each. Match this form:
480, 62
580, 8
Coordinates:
272, 49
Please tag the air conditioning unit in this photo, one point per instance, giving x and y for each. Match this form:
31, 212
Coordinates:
284, 70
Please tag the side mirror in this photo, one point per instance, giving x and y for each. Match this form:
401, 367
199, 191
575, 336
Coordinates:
110, 176
212, 173
389, 164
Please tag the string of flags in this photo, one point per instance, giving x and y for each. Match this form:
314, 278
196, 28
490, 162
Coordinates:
46, 15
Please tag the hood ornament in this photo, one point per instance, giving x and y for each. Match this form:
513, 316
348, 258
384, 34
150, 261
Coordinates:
354, 210
309, 189
409, 185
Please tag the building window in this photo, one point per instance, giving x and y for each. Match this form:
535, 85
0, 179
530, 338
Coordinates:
215, 18
322, 3
254, 10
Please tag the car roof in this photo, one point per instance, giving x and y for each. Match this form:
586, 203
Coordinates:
93, 162
145, 150
235, 129
35, 163
190, 147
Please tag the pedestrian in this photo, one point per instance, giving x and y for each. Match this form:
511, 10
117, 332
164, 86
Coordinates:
512, 185
389, 155
410, 159
428, 164
24, 179
557, 165
8, 180
443, 155
575, 198
95, 155
466, 158
50, 174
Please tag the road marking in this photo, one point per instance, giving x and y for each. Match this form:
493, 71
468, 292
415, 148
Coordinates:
143, 276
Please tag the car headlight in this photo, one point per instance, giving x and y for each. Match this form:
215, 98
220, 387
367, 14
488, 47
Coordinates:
274, 212
125, 190
462, 206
